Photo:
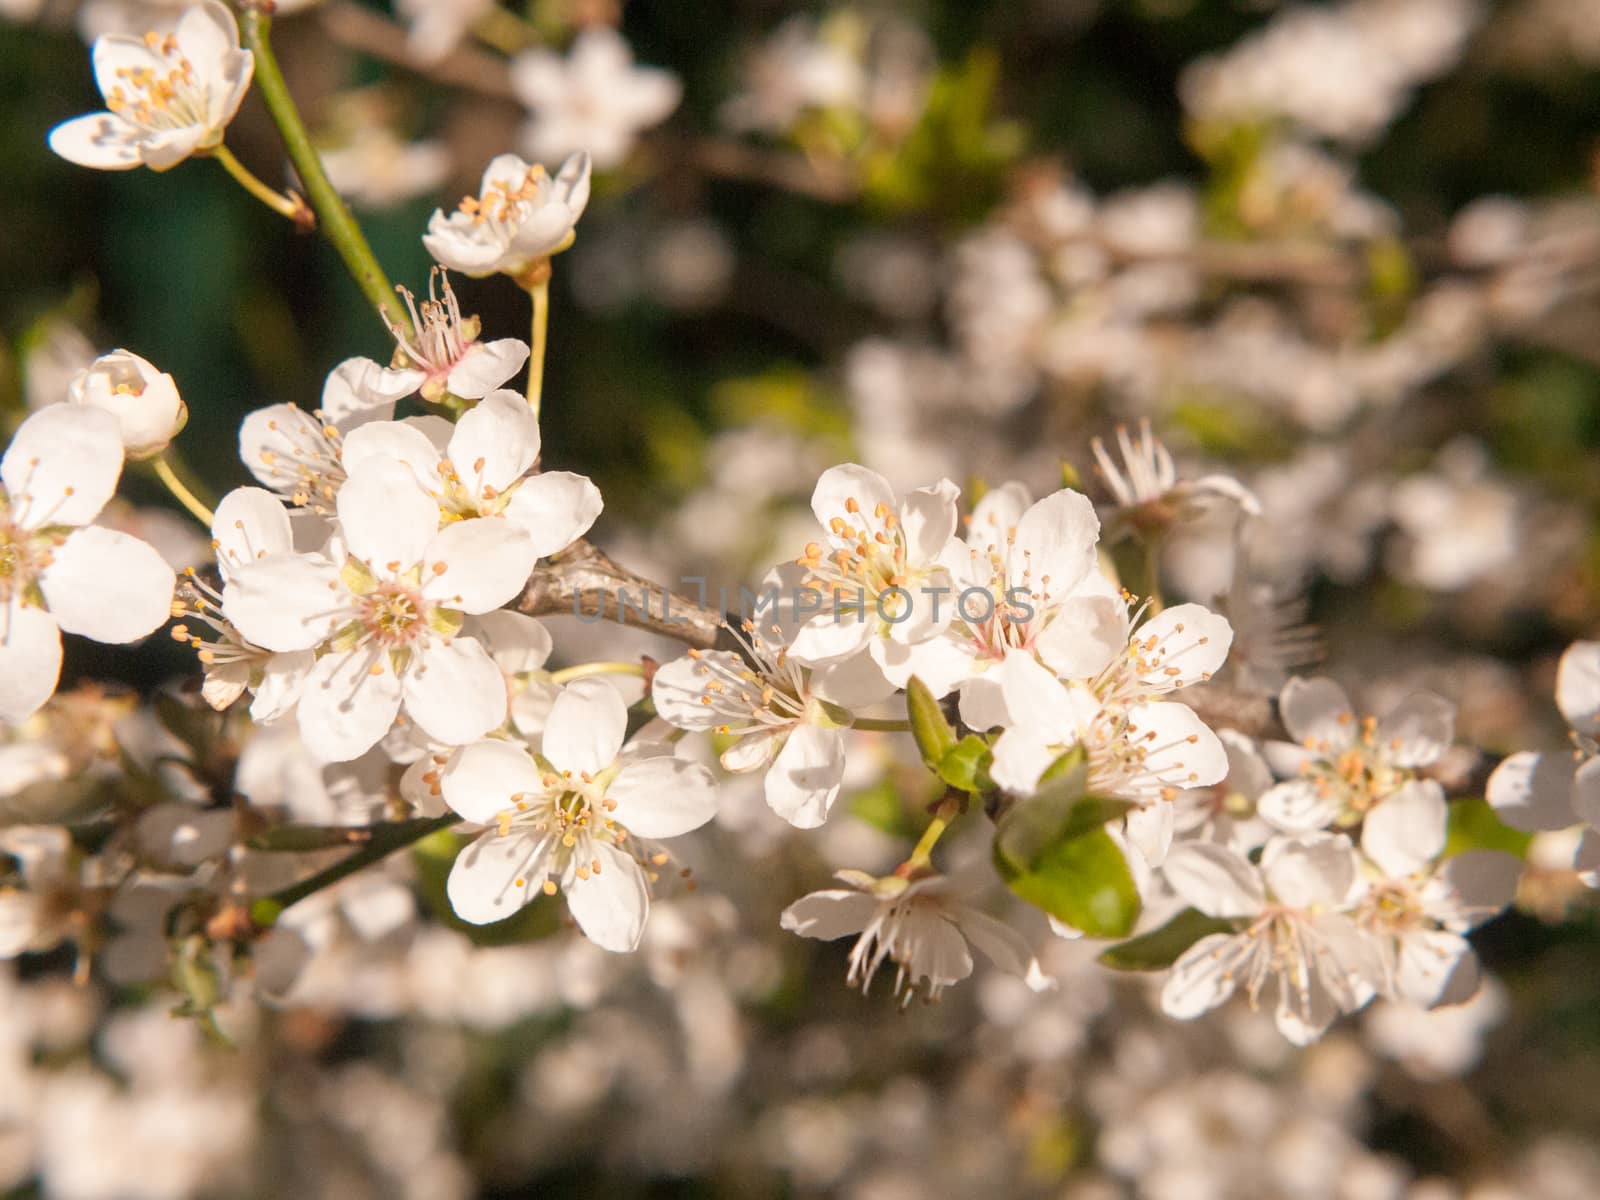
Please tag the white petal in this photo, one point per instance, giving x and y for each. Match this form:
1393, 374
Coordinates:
1214, 879
831, 636
838, 486
344, 708
495, 443
1003, 946
995, 516
1184, 752
1056, 539
250, 523
403, 442
851, 683
479, 780
454, 692
284, 601
680, 685
1419, 730
62, 465
482, 887
556, 508
1533, 792
360, 386
517, 643
585, 728
108, 586
486, 564
805, 778
663, 797
1189, 639
30, 660
1021, 755
942, 661
98, 140
1299, 806
1084, 635
929, 519
1149, 830
1425, 963
1578, 686
1203, 977
486, 366
385, 516
830, 914
611, 905
1483, 882
1317, 710
283, 678
1319, 870
1407, 830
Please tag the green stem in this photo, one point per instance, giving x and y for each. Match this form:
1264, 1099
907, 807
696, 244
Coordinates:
568, 674
333, 214
540, 293
166, 469
386, 839
922, 853
878, 725
290, 205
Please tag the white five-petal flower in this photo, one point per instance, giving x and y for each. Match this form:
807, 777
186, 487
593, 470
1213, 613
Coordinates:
386, 610
573, 820
520, 216
144, 400
922, 926
59, 573
169, 95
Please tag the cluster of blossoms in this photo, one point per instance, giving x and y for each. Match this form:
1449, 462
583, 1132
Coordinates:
1085, 716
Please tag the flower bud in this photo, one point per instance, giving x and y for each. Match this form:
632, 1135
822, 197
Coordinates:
145, 402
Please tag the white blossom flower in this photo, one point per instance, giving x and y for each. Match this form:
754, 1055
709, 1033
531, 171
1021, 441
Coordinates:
57, 571
387, 618
786, 718
594, 100
519, 216
1543, 791
1225, 812
377, 169
482, 469
800, 67
1416, 908
875, 574
571, 822
1297, 939
300, 455
1346, 767
437, 26
249, 523
445, 354
1147, 489
921, 925
169, 95
145, 401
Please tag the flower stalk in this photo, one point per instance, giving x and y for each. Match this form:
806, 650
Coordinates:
181, 492
536, 281
291, 204
338, 224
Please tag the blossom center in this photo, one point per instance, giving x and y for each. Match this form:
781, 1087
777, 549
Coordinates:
393, 615
159, 97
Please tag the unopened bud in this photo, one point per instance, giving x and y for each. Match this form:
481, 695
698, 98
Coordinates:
145, 402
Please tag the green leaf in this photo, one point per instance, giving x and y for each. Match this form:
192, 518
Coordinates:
1082, 880
966, 764
1474, 825
1053, 851
1160, 948
934, 735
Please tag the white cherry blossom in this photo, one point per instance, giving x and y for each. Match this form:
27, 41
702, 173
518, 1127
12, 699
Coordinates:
573, 821
876, 569
1416, 908
595, 99
250, 523
519, 217
922, 926
1347, 765
169, 95
1295, 940
144, 400
58, 572
787, 719
443, 351
386, 613
1147, 489
481, 470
